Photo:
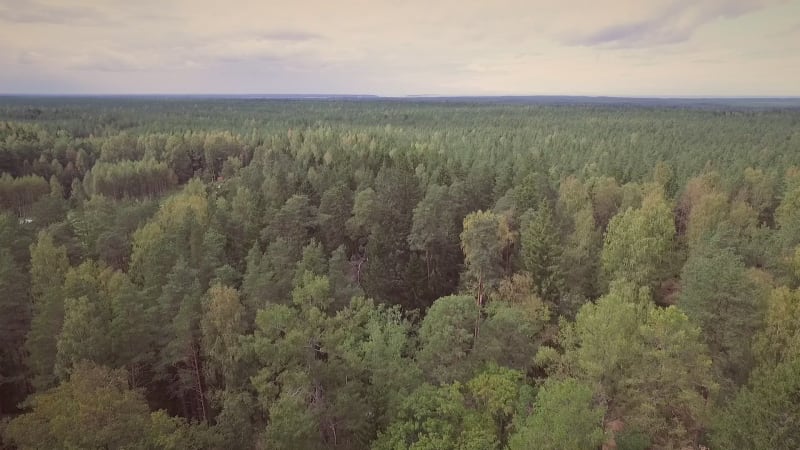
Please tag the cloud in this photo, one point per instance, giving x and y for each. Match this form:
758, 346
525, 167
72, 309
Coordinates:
290, 35
37, 12
661, 26
407, 46
29, 57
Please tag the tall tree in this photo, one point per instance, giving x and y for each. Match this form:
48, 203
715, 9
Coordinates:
222, 325
486, 235
541, 253
718, 296
49, 266
565, 417
639, 242
649, 363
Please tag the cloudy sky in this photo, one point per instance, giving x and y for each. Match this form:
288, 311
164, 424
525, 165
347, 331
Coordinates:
402, 47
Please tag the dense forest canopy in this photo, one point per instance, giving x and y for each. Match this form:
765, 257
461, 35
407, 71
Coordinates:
370, 273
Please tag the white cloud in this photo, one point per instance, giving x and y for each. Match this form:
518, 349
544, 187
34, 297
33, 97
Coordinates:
405, 46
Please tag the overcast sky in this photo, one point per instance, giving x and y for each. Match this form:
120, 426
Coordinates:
401, 47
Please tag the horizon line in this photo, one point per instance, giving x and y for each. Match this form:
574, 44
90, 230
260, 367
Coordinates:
411, 96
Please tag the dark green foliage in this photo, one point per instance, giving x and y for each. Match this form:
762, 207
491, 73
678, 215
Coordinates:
764, 414
718, 295
541, 253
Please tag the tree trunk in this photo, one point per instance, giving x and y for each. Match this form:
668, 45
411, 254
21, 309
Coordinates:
201, 395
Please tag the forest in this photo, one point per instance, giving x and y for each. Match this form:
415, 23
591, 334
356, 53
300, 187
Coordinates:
243, 273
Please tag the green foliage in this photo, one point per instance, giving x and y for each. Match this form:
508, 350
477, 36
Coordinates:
48, 270
221, 325
485, 239
541, 253
581, 257
779, 339
455, 416
638, 243
447, 336
564, 417
144, 178
765, 414
214, 254
718, 296
95, 409
649, 364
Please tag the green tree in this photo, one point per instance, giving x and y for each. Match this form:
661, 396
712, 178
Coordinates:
718, 296
49, 266
445, 417
541, 253
222, 325
565, 417
765, 414
581, 257
779, 339
649, 363
15, 316
486, 235
639, 242
335, 206
447, 337
180, 363
94, 409
434, 233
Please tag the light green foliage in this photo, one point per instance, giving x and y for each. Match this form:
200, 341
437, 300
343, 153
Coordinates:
311, 368
564, 417
638, 244
455, 416
649, 364
377, 345
313, 260
707, 214
573, 195
779, 339
176, 231
92, 301
485, 237
221, 325
130, 178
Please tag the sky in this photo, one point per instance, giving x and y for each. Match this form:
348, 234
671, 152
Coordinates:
401, 47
